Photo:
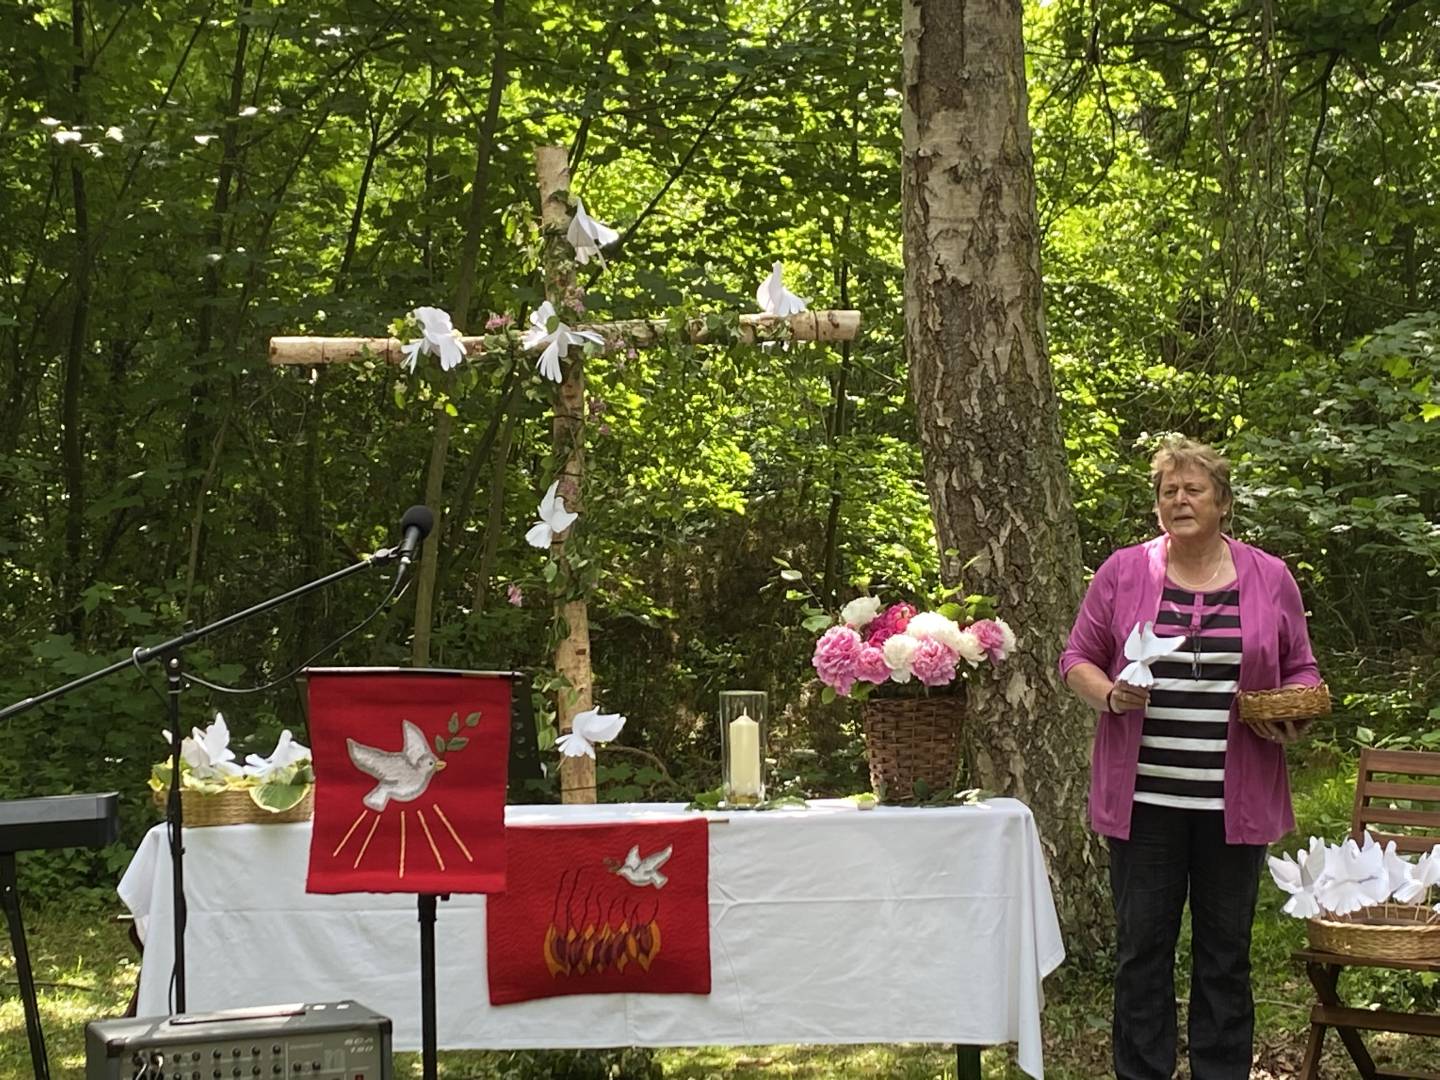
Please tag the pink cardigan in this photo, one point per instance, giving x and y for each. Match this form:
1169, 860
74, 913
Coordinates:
1276, 651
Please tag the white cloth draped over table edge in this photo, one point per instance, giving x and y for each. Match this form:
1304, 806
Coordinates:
828, 925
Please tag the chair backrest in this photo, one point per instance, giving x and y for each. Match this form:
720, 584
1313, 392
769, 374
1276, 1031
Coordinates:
1397, 797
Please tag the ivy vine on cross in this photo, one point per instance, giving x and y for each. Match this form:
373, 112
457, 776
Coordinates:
572, 650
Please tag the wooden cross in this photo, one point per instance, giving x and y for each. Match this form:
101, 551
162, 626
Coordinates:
572, 654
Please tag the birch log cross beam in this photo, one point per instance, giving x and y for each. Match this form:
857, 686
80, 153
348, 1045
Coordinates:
824, 326
572, 651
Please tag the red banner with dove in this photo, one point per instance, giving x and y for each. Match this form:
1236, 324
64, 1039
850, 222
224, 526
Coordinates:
601, 909
410, 771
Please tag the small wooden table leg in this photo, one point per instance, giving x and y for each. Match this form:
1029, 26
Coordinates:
1325, 978
967, 1063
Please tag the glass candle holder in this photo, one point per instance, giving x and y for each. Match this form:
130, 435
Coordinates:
742, 746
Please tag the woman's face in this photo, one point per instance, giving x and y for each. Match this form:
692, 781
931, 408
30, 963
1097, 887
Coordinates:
1188, 505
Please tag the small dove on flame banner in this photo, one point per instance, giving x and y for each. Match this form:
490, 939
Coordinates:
410, 772
618, 908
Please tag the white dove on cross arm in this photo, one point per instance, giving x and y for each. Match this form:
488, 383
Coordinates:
774, 298
589, 237
556, 343
1142, 648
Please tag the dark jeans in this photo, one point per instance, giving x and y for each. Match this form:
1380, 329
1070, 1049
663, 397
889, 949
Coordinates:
1171, 852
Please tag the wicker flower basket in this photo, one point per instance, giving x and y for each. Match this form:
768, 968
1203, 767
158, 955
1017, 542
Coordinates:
200, 809
912, 739
1383, 932
1288, 703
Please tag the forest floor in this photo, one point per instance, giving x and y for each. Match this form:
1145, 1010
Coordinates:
87, 970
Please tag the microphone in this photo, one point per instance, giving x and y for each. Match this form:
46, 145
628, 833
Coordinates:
414, 527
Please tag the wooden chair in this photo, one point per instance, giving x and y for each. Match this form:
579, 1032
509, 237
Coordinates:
1397, 797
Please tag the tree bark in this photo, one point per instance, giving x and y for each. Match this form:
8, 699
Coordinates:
572, 652
987, 413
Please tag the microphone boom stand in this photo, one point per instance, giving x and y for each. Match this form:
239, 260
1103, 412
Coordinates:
169, 653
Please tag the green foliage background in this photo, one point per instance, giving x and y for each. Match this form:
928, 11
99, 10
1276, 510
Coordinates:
1240, 242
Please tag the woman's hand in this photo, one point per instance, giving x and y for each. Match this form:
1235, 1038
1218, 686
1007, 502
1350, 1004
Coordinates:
1283, 732
1124, 698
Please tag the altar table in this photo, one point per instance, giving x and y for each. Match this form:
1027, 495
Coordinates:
828, 925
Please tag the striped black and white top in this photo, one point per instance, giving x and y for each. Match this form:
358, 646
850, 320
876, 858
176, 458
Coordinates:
1182, 745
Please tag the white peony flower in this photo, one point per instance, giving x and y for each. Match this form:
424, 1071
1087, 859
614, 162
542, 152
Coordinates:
931, 624
860, 612
899, 651
969, 647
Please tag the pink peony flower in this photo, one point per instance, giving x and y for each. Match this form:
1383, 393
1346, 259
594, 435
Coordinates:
514, 594
835, 655
933, 663
888, 623
995, 638
498, 322
870, 665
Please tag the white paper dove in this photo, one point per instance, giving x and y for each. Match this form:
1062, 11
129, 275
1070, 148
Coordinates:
586, 729
440, 340
403, 774
1299, 877
1143, 647
774, 298
554, 519
556, 342
1354, 878
588, 236
208, 752
644, 871
287, 752
1421, 877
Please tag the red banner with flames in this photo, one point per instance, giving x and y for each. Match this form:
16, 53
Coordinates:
601, 909
410, 770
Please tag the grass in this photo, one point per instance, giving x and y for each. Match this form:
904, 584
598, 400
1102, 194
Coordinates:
86, 969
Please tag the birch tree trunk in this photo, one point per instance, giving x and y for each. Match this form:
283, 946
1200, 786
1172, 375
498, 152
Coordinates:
572, 652
987, 413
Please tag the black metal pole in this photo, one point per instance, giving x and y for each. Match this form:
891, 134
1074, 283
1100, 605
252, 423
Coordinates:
10, 899
175, 823
174, 645
428, 1038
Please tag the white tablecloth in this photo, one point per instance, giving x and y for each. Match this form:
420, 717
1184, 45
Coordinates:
828, 925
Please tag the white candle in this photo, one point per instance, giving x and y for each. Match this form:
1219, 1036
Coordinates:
744, 757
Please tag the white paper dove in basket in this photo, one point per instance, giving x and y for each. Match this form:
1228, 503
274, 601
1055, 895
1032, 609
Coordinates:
586, 729
1337, 880
1142, 648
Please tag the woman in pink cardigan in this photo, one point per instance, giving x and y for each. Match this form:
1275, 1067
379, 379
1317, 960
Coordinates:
1187, 795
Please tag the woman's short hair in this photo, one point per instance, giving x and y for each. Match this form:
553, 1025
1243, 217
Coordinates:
1178, 452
